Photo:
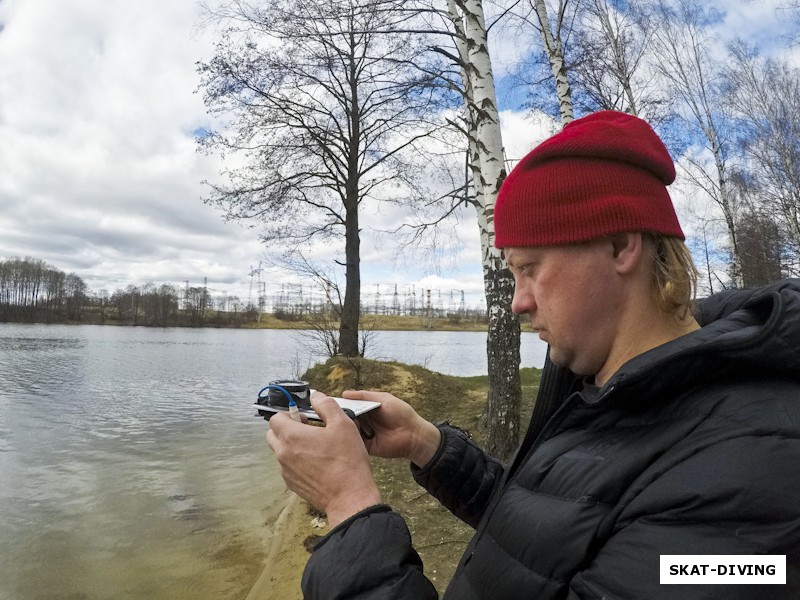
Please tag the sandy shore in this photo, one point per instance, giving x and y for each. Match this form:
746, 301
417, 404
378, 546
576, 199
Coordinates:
287, 555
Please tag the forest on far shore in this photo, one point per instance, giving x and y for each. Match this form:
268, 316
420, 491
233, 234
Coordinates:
33, 291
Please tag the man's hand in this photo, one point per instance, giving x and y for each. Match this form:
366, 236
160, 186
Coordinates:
399, 431
327, 466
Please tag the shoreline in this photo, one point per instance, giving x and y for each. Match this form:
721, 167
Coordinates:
286, 556
368, 323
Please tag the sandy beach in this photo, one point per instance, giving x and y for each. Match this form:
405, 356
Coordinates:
287, 556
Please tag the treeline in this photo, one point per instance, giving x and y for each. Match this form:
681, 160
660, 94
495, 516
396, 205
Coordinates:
32, 291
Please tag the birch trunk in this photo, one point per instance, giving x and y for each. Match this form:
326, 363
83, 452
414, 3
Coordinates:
488, 171
555, 54
727, 205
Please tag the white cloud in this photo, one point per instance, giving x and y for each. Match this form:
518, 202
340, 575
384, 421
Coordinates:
98, 169
761, 22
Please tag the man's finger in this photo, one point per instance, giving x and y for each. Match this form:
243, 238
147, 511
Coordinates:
318, 395
281, 422
272, 440
277, 421
363, 395
326, 407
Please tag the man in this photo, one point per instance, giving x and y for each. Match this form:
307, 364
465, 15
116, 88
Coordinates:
651, 435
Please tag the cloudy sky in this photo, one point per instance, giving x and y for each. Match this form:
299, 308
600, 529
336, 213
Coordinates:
98, 169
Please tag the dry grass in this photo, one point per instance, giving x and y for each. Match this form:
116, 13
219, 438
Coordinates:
379, 323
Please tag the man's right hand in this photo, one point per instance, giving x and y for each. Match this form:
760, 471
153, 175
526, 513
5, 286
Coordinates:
399, 431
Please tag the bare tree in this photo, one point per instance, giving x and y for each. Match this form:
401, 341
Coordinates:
553, 26
612, 60
683, 46
320, 332
792, 9
705, 247
765, 94
554, 47
33, 291
327, 110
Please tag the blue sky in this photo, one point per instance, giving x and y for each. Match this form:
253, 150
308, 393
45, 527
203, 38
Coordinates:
98, 169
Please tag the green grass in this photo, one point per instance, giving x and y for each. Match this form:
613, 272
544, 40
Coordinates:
438, 536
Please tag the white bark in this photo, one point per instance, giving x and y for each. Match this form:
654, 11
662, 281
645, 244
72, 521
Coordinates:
488, 171
486, 142
555, 54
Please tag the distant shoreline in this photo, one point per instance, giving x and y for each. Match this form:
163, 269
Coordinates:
268, 321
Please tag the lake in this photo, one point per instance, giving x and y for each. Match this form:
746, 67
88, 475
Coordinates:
132, 466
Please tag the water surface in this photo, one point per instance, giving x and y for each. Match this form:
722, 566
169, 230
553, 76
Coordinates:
131, 464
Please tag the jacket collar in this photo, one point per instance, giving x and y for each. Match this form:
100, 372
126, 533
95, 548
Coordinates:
744, 332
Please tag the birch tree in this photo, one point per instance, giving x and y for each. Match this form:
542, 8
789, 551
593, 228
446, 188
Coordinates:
487, 163
612, 57
326, 110
462, 27
553, 41
684, 50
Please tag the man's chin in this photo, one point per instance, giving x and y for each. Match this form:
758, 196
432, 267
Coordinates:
568, 362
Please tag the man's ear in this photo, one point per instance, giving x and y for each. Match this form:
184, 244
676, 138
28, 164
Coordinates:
628, 251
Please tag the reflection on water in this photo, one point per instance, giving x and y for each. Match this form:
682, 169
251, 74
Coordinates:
130, 461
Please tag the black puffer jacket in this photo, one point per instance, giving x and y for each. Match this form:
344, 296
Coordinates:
691, 448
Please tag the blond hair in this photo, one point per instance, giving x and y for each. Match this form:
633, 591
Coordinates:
674, 275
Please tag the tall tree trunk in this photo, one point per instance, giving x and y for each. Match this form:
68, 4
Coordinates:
503, 401
727, 206
503, 359
617, 41
555, 54
351, 307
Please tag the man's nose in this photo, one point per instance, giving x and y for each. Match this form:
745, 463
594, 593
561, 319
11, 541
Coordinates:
523, 301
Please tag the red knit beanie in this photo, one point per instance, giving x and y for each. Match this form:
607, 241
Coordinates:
605, 173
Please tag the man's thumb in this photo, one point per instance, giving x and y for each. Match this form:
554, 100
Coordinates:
326, 407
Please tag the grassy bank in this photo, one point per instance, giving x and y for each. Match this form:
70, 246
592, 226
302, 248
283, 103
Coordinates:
439, 537
377, 323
